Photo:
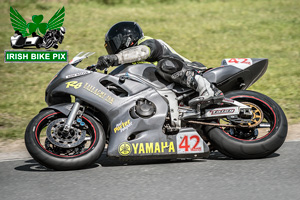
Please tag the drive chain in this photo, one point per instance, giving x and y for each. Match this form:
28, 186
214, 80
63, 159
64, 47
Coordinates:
220, 125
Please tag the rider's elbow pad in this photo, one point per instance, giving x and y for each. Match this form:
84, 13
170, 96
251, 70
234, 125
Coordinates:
133, 54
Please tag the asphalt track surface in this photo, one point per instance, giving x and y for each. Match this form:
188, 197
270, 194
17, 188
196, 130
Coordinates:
273, 178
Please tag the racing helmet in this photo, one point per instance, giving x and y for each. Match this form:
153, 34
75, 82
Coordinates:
62, 30
121, 36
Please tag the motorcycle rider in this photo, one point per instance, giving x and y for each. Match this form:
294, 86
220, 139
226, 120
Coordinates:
125, 43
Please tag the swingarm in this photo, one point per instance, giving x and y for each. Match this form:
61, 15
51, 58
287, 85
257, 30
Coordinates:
235, 109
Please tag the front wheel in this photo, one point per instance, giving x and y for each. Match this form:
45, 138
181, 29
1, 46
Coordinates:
49, 145
267, 132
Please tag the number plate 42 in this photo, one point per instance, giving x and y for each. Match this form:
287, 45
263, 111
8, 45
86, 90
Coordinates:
189, 143
241, 63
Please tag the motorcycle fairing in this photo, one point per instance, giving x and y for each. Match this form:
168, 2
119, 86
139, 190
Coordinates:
131, 135
124, 126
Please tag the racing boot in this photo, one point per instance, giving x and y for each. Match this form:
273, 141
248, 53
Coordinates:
208, 94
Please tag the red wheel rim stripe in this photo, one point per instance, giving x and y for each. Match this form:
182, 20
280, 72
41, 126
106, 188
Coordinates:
265, 104
36, 137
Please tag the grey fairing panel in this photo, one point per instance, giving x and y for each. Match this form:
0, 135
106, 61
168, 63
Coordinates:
144, 129
220, 73
91, 90
131, 87
148, 73
145, 71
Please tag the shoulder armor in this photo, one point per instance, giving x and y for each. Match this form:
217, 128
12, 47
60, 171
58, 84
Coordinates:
143, 39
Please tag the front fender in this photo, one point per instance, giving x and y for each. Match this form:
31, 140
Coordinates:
64, 108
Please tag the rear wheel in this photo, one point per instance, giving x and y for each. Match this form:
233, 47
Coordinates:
267, 132
52, 147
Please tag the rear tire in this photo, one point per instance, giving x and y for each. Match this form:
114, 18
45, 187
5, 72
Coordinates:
250, 148
58, 158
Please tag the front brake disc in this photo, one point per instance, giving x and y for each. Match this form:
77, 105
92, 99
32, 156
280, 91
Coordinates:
57, 136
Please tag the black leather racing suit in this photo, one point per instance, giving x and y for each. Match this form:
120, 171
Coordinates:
170, 65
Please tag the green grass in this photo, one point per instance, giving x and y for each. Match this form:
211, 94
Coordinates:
204, 30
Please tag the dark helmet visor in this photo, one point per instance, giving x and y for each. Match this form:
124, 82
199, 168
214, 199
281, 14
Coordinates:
113, 46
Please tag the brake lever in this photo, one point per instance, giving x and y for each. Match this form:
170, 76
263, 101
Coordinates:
91, 68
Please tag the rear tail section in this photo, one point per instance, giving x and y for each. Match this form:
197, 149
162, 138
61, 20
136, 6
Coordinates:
237, 73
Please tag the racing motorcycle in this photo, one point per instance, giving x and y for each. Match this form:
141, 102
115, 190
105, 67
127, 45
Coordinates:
138, 115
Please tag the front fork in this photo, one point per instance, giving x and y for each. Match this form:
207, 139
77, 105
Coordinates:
76, 110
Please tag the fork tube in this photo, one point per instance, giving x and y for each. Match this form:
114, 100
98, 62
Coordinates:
72, 115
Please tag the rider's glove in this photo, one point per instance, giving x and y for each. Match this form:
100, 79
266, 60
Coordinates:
91, 68
107, 61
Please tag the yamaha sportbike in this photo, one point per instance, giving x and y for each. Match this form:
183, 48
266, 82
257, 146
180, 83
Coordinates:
140, 115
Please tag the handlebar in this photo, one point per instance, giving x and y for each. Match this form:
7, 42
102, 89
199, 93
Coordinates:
94, 68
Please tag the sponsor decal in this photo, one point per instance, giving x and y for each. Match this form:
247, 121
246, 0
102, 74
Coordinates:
73, 84
222, 111
78, 74
122, 126
92, 89
125, 149
98, 93
153, 147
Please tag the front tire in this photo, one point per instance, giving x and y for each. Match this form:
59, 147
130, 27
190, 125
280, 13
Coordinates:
55, 157
247, 143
